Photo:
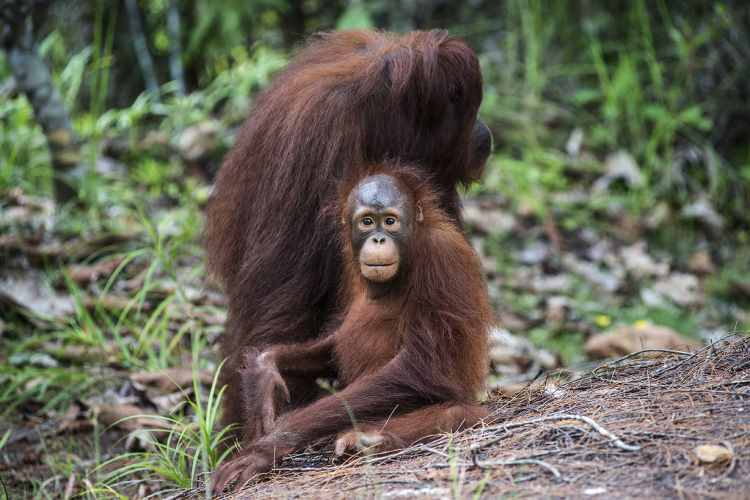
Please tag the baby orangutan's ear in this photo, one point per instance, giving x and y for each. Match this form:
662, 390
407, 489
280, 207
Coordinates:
420, 215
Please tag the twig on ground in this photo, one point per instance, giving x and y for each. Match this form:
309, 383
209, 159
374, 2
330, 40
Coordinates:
501, 463
616, 441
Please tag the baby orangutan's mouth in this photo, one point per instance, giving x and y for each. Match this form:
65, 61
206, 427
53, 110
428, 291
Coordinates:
378, 272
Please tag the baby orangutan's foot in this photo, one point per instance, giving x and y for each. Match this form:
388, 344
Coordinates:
369, 441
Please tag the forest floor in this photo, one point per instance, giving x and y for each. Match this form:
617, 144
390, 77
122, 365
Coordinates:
655, 424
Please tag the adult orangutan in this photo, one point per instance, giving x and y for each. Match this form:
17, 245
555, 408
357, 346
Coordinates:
411, 348
348, 98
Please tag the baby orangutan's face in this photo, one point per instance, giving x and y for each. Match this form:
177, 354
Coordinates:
382, 217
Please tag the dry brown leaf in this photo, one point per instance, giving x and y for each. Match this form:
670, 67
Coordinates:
171, 379
712, 453
624, 340
701, 263
129, 417
29, 290
112, 303
86, 273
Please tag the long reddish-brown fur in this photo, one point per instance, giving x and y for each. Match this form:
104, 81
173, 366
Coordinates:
347, 99
412, 362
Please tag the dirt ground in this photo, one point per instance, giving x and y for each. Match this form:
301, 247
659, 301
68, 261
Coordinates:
655, 424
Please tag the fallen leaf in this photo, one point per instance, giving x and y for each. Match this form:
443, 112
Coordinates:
703, 210
199, 141
171, 379
712, 453
626, 339
86, 273
619, 165
535, 252
129, 417
30, 291
701, 263
489, 264
681, 288
557, 309
487, 220
608, 281
574, 142
513, 355
639, 263
113, 303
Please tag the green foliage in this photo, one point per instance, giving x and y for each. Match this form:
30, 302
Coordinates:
356, 16
24, 159
194, 446
627, 81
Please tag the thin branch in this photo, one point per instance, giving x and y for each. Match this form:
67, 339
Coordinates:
35, 81
500, 463
616, 441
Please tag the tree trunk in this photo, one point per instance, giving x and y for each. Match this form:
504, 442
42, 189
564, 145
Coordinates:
175, 47
141, 47
34, 80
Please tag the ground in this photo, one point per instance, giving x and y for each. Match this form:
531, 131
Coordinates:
653, 425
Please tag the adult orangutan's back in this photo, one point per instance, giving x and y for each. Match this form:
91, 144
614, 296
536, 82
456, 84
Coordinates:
347, 99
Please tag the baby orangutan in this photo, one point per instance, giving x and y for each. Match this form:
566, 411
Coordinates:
411, 347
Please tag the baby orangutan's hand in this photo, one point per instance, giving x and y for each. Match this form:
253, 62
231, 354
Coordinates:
266, 389
241, 469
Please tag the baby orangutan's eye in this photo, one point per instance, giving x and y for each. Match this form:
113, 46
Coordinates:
368, 221
389, 221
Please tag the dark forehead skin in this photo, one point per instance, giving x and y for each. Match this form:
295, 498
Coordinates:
378, 192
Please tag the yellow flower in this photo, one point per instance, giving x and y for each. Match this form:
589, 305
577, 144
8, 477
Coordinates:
641, 324
603, 321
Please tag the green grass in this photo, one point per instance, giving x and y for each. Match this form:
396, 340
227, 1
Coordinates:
192, 449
